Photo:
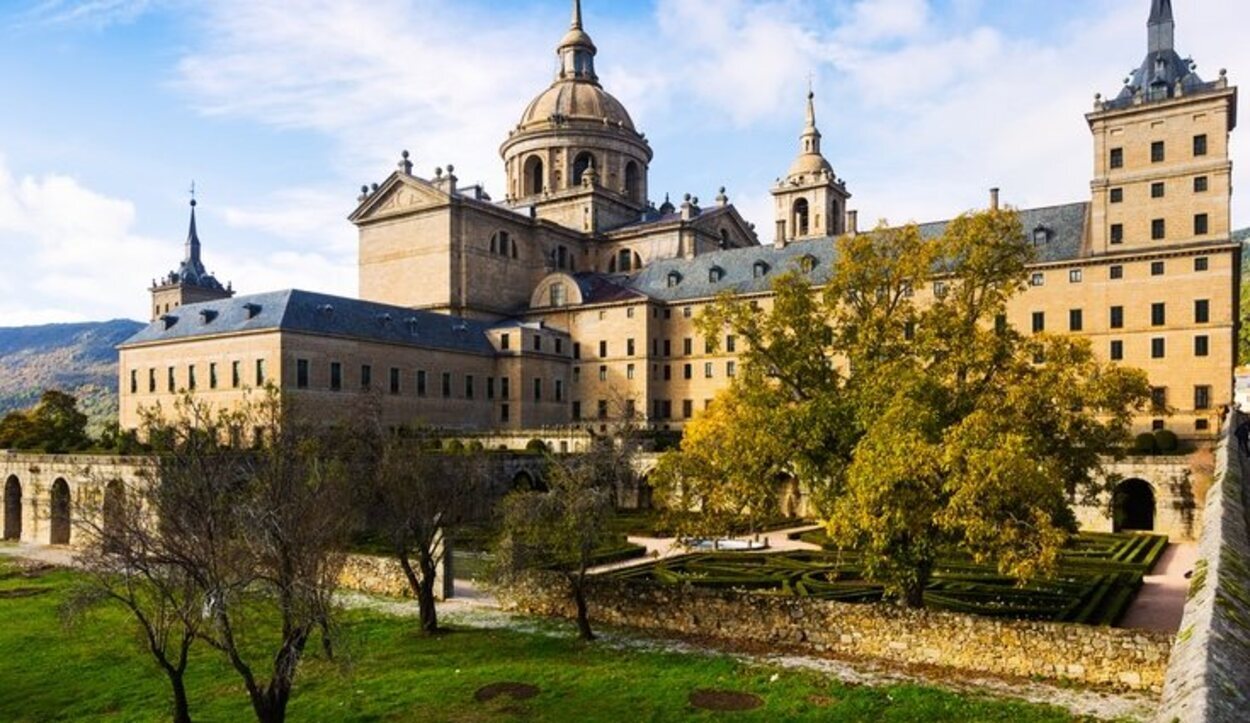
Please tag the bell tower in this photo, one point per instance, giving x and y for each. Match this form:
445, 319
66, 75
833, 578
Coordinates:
811, 199
190, 283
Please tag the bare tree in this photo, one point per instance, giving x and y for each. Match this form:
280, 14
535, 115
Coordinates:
560, 529
421, 494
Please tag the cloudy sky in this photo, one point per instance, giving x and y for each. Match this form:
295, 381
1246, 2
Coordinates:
280, 109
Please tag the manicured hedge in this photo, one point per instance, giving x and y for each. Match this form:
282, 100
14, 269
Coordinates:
1097, 578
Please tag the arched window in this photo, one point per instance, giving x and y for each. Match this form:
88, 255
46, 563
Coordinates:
625, 264
632, 190
715, 274
513, 242
800, 218
558, 296
534, 176
674, 279
759, 270
581, 163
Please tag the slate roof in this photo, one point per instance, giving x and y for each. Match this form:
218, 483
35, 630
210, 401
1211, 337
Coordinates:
1065, 227
312, 313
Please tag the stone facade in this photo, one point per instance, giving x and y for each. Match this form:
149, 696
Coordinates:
44, 495
1102, 657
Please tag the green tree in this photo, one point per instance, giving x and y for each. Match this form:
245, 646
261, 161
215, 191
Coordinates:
1243, 336
54, 425
918, 428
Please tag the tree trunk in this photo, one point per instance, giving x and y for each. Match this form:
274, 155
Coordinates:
182, 709
583, 616
913, 593
425, 605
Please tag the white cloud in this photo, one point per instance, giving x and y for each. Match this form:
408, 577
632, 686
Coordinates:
877, 20
100, 13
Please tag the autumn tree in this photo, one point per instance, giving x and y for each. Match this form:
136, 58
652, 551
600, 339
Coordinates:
54, 425
561, 528
924, 427
420, 495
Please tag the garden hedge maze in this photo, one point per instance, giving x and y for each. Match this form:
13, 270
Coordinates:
1097, 578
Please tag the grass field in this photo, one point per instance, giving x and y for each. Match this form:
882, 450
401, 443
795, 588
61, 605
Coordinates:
94, 671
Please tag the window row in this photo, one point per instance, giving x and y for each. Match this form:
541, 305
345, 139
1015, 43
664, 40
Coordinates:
536, 343
1158, 151
1158, 189
1158, 316
1158, 348
687, 347
1115, 272
1159, 231
238, 371
665, 371
421, 382
1202, 397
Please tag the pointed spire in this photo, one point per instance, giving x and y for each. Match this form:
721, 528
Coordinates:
577, 15
809, 141
192, 250
1162, 27
576, 50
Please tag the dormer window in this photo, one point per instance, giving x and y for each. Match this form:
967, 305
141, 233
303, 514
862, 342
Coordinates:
1041, 236
411, 323
168, 321
807, 264
384, 319
326, 309
715, 274
207, 316
674, 279
759, 270
252, 310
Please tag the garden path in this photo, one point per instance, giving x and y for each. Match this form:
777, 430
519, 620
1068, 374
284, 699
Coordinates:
662, 547
1160, 603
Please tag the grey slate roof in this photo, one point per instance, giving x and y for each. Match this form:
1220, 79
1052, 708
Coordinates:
1065, 227
312, 313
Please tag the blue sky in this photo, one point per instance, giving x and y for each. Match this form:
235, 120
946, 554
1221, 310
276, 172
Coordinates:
280, 110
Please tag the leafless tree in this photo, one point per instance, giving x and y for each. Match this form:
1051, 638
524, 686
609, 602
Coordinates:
421, 494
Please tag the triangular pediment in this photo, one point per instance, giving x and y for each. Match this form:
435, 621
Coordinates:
400, 195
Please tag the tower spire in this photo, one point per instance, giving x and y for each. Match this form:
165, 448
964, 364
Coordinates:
1161, 26
192, 250
577, 15
576, 50
809, 141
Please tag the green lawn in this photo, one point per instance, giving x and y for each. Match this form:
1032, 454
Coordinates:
95, 672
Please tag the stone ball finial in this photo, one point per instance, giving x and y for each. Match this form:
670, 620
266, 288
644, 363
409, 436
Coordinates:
686, 198
1223, 72
364, 188
451, 168
438, 172
694, 200
404, 155
722, 189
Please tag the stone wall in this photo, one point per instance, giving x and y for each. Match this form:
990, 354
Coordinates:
1208, 678
377, 575
1096, 656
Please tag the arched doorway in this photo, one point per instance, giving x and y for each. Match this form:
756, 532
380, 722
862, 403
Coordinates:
60, 513
12, 508
112, 514
525, 482
1134, 507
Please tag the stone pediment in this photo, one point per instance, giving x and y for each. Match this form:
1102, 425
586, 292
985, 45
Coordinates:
398, 196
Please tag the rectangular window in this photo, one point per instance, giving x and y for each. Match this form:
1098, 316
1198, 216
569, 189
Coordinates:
1158, 348
212, 375
629, 371
1117, 158
1201, 263
1201, 184
538, 343
1158, 229
260, 373
668, 372
1157, 189
707, 345
504, 412
1158, 313
538, 389
909, 331
1202, 397
666, 409
1202, 311
236, 374
336, 376
731, 344
655, 347
577, 350
1117, 317
1075, 276
366, 376
559, 383
421, 383
134, 381
1201, 224
505, 384
1115, 272
505, 342
395, 380
687, 346
1037, 279
1202, 345
1117, 195
1039, 322
191, 377
1157, 268
1159, 397
687, 312
603, 350
602, 408
668, 313
629, 347
1117, 233
559, 346
668, 347
731, 369
629, 313
707, 370
1075, 320
1158, 153
1117, 350
603, 373
688, 371
172, 383
687, 408
151, 381
490, 387
468, 386
1200, 145
577, 411
301, 373
446, 385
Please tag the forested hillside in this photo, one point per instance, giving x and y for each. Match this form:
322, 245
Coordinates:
80, 359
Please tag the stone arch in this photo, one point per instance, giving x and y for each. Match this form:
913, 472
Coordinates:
1134, 506
112, 513
12, 508
633, 189
524, 481
59, 507
801, 214
535, 176
582, 162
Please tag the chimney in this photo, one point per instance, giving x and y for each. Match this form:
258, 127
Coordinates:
993, 199
852, 222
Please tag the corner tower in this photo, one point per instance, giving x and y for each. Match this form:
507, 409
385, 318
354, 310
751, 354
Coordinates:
811, 199
575, 156
190, 282
1162, 173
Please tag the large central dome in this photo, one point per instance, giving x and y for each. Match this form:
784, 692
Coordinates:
575, 100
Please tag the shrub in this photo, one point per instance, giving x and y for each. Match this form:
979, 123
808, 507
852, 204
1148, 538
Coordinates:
1166, 441
536, 446
454, 446
476, 446
1145, 444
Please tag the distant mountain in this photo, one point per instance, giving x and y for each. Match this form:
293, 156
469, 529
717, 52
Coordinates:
77, 358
